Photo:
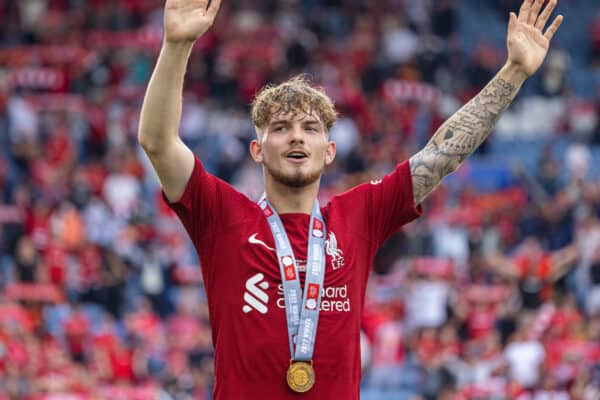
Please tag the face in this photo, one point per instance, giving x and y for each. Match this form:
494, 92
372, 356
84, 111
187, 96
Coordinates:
293, 149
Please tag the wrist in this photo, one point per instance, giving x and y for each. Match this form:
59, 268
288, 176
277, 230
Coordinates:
178, 46
513, 73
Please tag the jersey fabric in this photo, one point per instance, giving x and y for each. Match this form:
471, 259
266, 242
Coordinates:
243, 281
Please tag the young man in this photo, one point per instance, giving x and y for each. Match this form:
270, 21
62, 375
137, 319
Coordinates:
275, 335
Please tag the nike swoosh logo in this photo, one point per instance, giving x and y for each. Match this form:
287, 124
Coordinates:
252, 239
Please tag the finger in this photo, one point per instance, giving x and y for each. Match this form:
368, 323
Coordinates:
543, 18
214, 6
524, 10
535, 9
553, 28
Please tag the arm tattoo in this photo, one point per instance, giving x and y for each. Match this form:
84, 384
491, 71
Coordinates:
459, 136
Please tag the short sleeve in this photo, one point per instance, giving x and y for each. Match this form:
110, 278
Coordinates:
208, 204
375, 210
391, 203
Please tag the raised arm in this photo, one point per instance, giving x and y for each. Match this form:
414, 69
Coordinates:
462, 133
562, 260
503, 266
158, 133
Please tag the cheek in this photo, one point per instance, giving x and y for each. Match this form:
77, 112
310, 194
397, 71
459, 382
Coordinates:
267, 152
274, 155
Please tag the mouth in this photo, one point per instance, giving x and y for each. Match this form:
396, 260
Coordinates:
296, 156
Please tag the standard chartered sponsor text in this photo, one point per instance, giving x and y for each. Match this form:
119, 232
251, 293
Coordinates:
333, 298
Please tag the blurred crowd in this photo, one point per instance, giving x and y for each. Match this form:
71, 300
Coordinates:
493, 294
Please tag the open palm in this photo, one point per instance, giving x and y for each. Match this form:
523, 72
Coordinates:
527, 43
187, 20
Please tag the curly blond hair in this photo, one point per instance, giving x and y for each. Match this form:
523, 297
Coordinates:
295, 96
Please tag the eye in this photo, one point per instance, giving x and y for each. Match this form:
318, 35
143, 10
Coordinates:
279, 128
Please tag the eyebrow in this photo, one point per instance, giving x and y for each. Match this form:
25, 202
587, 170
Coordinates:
279, 121
287, 121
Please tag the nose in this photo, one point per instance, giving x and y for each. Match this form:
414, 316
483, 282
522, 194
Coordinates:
296, 134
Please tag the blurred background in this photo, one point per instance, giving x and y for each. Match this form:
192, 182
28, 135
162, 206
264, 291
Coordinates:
493, 294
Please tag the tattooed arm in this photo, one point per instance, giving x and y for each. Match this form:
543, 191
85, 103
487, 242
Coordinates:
462, 133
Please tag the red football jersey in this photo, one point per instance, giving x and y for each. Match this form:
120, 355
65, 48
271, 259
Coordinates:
243, 281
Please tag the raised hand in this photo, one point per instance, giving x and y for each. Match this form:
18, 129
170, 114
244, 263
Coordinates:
187, 20
527, 43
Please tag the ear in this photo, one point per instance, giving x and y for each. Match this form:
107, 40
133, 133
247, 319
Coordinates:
330, 152
256, 151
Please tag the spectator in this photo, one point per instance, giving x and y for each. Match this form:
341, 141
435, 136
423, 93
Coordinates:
524, 356
76, 199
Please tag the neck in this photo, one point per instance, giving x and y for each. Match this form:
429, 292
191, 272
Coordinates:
286, 199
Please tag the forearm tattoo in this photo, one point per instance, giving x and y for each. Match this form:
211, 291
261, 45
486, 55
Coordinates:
459, 136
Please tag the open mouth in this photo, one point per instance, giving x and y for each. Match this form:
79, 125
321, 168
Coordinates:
296, 155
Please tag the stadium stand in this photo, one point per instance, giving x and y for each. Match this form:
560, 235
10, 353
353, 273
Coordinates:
493, 294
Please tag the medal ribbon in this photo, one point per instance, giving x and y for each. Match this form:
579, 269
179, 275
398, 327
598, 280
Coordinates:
302, 319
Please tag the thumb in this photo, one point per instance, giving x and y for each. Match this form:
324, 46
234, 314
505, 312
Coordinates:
512, 20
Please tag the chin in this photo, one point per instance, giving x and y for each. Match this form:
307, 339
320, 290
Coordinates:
297, 179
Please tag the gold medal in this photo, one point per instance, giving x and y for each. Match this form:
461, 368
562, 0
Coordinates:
300, 376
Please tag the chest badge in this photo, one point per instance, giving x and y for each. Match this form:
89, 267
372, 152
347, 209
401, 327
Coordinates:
332, 250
